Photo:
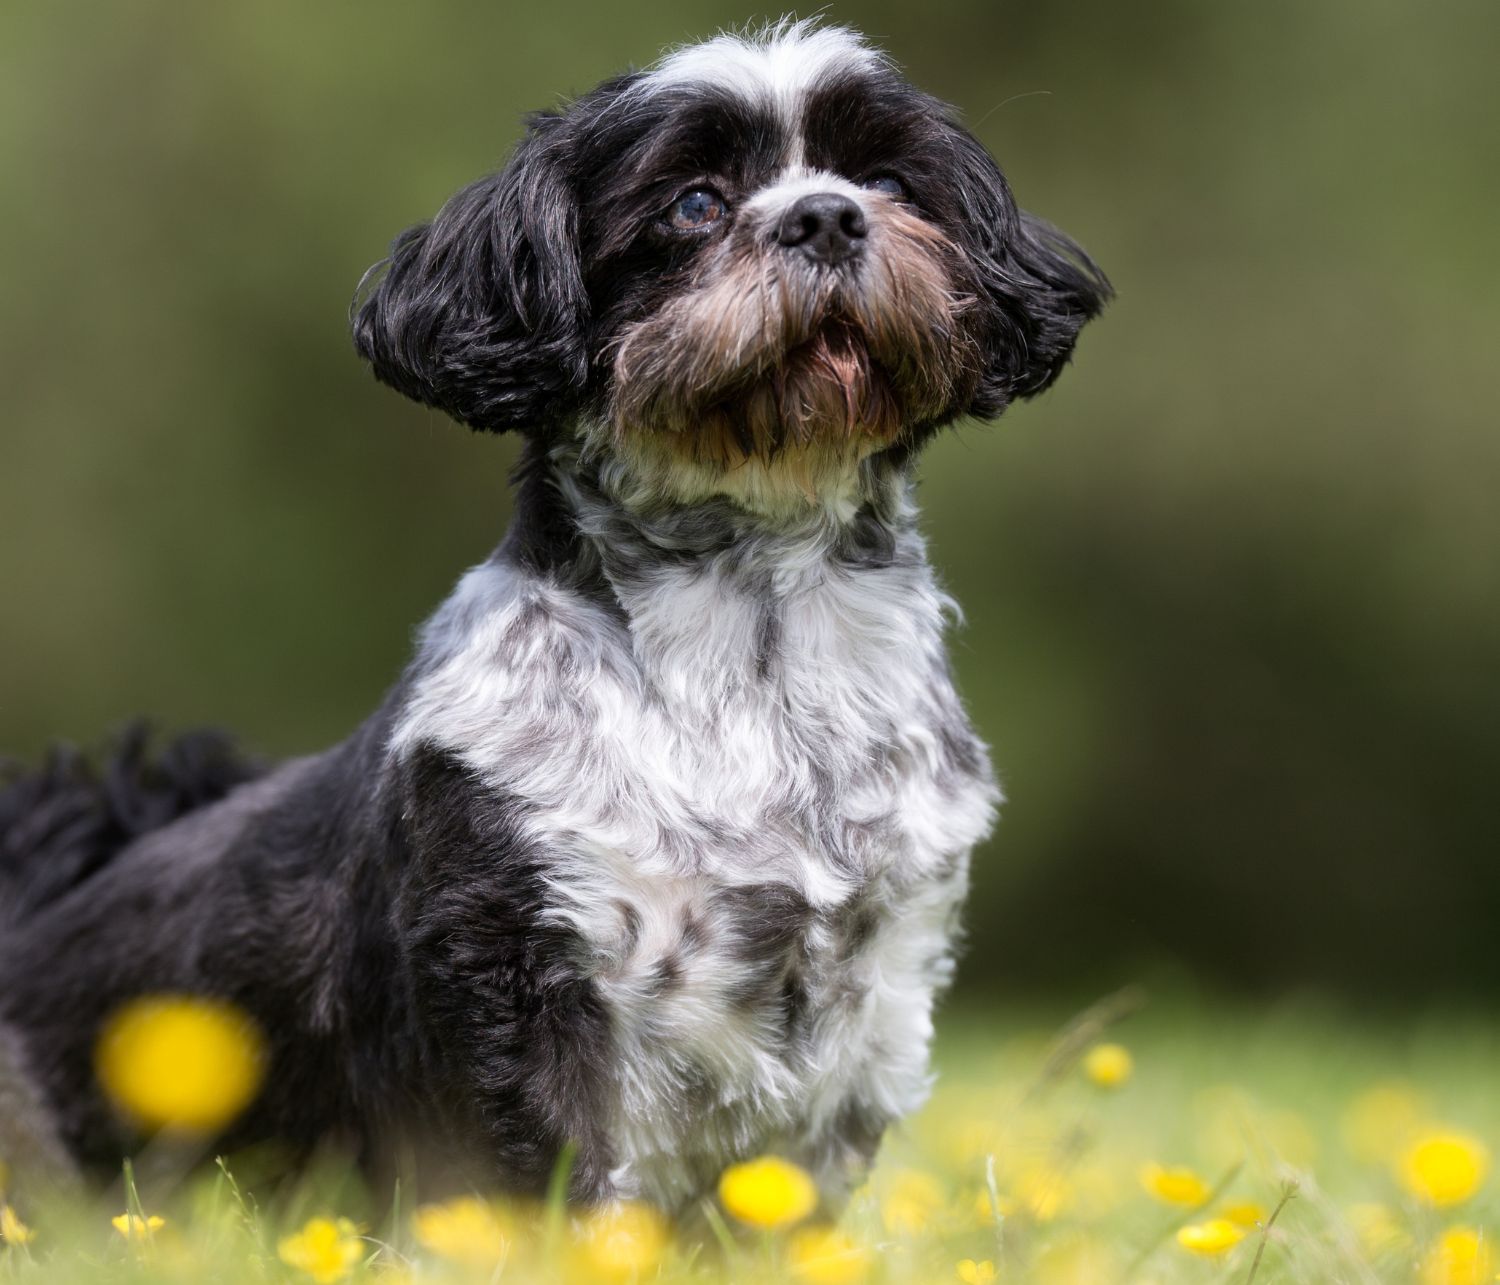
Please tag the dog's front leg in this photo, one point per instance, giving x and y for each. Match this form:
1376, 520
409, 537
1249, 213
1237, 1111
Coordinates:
517, 1041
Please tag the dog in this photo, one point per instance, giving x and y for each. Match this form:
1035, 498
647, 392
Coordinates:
655, 853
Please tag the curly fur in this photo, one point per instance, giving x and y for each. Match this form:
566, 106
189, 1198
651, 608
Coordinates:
60, 822
658, 847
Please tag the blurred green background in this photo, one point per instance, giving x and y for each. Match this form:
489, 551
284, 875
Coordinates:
1233, 621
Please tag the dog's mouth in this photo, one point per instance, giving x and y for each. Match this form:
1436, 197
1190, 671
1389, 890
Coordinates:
763, 357
828, 390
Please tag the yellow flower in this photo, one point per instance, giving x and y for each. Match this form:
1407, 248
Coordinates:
135, 1227
326, 1249
826, 1256
1175, 1186
768, 1192
12, 1230
1444, 1168
1246, 1213
1108, 1065
1381, 1121
466, 1230
972, 1273
623, 1240
1461, 1256
1216, 1236
180, 1063
911, 1202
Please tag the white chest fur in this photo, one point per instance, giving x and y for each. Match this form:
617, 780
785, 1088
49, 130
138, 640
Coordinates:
753, 792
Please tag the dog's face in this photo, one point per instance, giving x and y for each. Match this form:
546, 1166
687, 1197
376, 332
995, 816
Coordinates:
762, 248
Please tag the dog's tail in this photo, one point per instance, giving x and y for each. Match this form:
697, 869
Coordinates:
62, 821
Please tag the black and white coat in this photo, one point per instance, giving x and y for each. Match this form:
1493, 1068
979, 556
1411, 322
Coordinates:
658, 847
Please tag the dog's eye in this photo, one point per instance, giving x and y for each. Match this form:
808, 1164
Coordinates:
887, 185
696, 209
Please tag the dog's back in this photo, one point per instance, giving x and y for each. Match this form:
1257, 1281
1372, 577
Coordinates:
64, 820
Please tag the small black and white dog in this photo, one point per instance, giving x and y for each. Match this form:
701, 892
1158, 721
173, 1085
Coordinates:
658, 846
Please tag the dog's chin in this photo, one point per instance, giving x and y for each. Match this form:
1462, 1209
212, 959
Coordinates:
827, 396
775, 434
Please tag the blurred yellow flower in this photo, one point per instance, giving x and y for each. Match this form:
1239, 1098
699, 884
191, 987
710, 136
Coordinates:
1223, 1120
1461, 1256
136, 1227
1108, 1065
1216, 1236
1289, 1136
180, 1063
768, 1192
972, 1273
623, 1240
1377, 1227
12, 1230
1380, 1122
1245, 1213
912, 1200
1444, 1168
1095, 1187
1044, 1191
1077, 1260
1230, 1123
827, 1256
985, 1210
965, 1137
1175, 1186
466, 1230
326, 1249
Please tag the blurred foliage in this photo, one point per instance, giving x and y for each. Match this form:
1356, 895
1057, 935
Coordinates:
1233, 620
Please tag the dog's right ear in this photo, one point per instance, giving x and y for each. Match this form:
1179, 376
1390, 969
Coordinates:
482, 312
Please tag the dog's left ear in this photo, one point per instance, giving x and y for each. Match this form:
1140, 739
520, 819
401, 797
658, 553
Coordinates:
482, 312
1036, 287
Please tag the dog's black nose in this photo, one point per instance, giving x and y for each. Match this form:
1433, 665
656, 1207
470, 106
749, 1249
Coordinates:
826, 227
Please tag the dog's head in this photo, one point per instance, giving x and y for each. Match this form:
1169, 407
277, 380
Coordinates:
765, 247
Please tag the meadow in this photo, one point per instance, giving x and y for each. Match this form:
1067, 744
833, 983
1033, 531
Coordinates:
1231, 624
1176, 1142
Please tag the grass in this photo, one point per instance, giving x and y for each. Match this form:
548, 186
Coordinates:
1281, 1139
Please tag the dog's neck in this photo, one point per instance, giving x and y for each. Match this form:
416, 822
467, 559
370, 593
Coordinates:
598, 519
713, 596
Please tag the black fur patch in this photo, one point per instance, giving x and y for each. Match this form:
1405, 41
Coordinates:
386, 938
514, 1033
1034, 287
62, 821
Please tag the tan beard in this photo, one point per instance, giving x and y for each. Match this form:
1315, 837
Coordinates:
765, 358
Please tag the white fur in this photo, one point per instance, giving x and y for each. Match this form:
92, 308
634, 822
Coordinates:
799, 180
661, 767
778, 63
